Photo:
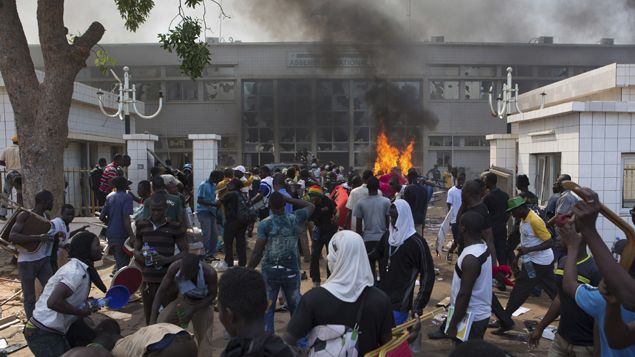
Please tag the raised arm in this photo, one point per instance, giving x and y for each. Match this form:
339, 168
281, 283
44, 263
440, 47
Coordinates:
296, 202
572, 240
619, 334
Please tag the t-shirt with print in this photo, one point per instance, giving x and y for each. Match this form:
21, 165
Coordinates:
576, 326
73, 275
454, 199
592, 302
281, 233
373, 210
533, 232
376, 320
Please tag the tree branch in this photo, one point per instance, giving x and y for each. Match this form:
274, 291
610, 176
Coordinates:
84, 43
52, 33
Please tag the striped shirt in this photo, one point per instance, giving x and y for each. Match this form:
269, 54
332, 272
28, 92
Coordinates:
110, 172
162, 238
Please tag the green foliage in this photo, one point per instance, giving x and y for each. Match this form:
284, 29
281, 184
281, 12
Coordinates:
193, 3
103, 61
184, 40
135, 12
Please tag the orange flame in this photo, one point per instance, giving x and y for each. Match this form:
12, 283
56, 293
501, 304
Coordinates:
389, 156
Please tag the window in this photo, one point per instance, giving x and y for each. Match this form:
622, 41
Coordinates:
440, 140
217, 71
547, 170
219, 90
182, 90
448, 90
477, 90
475, 141
518, 71
557, 72
444, 71
150, 72
628, 179
147, 91
478, 71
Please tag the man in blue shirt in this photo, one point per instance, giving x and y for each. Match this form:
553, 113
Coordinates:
277, 247
206, 211
116, 213
279, 186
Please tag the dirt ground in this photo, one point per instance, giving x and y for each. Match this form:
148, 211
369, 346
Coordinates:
131, 317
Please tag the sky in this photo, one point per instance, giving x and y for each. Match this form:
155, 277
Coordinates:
569, 21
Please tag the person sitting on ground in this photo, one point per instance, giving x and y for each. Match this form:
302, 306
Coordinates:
107, 333
116, 214
161, 234
405, 256
61, 225
195, 282
575, 330
158, 340
277, 247
64, 301
353, 302
472, 282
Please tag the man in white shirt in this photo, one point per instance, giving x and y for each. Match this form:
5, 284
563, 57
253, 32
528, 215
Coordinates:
357, 194
10, 159
454, 204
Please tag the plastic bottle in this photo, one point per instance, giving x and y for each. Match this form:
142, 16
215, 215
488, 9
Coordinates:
529, 267
146, 251
155, 261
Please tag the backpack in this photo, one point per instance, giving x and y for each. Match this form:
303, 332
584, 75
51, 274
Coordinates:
246, 214
336, 340
94, 178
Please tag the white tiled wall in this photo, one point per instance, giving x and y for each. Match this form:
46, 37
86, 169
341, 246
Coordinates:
205, 160
140, 159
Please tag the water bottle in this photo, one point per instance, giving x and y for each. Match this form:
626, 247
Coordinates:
147, 254
155, 262
529, 267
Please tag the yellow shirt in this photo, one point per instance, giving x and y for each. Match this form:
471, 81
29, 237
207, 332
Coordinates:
447, 178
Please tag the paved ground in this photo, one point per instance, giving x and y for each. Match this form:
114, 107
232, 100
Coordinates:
131, 317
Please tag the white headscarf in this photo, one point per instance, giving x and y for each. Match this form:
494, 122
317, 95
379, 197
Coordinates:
350, 269
405, 225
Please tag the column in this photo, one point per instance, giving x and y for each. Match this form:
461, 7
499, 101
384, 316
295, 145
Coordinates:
140, 160
205, 158
502, 150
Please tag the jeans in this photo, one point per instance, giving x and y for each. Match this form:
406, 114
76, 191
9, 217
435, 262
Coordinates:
235, 230
121, 258
210, 235
288, 280
319, 242
28, 271
45, 344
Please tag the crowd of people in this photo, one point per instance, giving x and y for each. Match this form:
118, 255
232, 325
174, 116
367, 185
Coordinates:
379, 269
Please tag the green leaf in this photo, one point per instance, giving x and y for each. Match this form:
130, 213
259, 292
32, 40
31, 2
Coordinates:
184, 40
134, 12
103, 61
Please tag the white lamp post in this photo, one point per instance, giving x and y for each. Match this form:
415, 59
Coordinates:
507, 100
125, 99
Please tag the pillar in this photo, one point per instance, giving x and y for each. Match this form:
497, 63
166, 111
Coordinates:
140, 160
502, 150
205, 157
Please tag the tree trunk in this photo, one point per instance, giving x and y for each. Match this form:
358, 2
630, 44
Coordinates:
41, 109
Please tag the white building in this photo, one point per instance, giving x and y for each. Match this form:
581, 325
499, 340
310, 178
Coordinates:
581, 126
91, 136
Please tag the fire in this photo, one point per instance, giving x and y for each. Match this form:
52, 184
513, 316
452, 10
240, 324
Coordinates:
389, 156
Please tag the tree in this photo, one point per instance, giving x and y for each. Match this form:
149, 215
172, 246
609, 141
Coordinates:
41, 108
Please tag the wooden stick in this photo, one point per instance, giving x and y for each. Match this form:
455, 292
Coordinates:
12, 297
628, 255
426, 316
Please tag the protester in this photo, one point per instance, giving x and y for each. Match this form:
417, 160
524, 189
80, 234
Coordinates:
158, 340
279, 185
236, 223
277, 247
371, 213
386, 188
10, 159
454, 204
116, 214
522, 185
405, 255
35, 265
206, 212
107, 333
94, 180
471, 291
535, 251
61, 228
161, 234
357, 194
566, 199
196, 285
63, 302
323, 218
434, 174
110, 172
348, 301
575, 330
496, 202
174, 203
417, 197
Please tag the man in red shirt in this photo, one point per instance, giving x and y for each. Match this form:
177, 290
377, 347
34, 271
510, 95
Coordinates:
110, 172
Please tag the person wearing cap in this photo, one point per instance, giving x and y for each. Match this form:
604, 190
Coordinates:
324, 228
116, 214
10, 159
417, 197
536, 254
239, 173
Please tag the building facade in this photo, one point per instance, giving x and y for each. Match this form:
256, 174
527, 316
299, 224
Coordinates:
270, 100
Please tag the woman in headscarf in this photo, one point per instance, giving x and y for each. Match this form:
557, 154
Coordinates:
63, 303
346, 312
405, 255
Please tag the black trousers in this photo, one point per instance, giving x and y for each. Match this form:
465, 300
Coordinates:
500, 243
316, 252
524, 285
235, 231
375, 264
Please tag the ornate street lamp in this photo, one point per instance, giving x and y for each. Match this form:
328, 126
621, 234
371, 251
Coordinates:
507, 100
127, 96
